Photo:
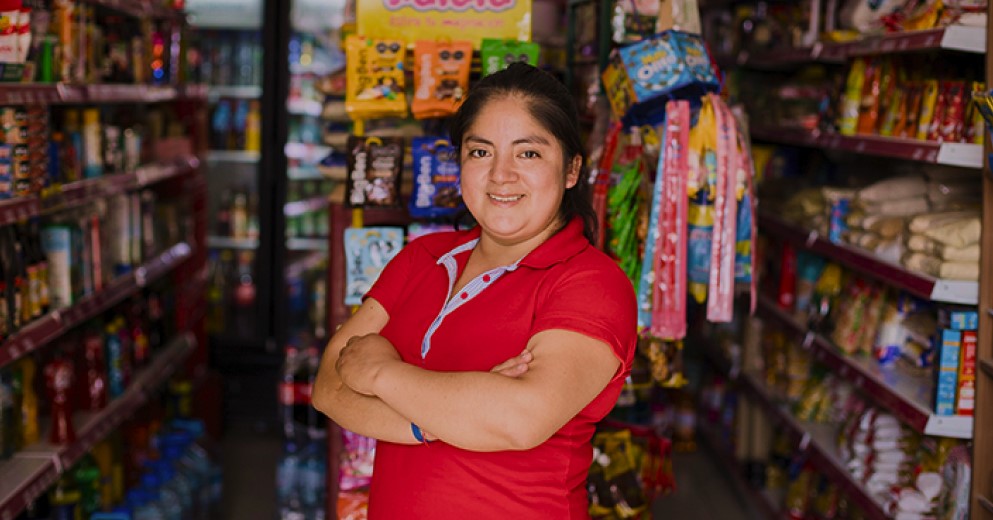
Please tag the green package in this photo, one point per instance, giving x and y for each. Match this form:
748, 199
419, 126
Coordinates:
496, 55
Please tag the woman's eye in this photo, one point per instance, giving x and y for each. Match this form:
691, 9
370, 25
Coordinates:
530, 154
477, 154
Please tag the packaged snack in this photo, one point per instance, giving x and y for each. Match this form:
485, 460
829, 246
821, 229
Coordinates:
870, 99
353, 505
436, 192
929, 103
358, 454
641, 77
367, 251
953, 121
495, 55
441, 77
374, 166
852, 97
375, 78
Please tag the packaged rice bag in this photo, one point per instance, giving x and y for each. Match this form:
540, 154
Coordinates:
374, 165
436, 179
441, 77
495, 55
374, 78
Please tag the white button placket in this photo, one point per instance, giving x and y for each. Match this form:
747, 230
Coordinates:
470, 291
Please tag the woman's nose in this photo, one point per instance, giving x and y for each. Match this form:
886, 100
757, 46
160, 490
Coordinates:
502, 169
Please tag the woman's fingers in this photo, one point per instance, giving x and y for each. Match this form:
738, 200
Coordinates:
515, 366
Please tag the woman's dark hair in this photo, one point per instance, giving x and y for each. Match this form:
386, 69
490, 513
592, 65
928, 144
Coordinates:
552, 106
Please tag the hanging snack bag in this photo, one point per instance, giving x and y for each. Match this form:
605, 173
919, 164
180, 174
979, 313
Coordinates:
441, 77
374, 78
436, 179
641, 77
496, 55
701, 189
374, 166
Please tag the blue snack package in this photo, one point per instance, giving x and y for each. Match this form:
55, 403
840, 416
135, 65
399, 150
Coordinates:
436, 191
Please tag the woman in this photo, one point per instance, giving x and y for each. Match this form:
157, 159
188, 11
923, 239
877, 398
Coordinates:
507, 342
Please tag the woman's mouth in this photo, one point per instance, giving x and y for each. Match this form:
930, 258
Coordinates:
510, 198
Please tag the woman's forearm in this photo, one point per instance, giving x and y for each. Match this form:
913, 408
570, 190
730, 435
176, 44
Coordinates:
362, 414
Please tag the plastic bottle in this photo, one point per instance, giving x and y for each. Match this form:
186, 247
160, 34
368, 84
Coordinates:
115, 361
164, 498
30, 433
72, 156
88, 480
253, 127
92, 143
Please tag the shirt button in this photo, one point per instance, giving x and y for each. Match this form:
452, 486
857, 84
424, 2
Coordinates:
465, 295
486, 278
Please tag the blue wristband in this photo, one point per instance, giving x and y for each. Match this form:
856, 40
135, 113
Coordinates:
417, 433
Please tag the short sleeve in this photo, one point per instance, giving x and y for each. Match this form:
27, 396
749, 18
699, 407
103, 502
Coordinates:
389, 286
597, 302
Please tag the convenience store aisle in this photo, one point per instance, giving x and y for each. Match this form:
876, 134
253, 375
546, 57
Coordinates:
249, 454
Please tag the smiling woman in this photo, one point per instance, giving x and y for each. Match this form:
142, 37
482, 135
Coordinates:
476, 359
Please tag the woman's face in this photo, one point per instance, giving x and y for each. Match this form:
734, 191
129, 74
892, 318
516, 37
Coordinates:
513, 173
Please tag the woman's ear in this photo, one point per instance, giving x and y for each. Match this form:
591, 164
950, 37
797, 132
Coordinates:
572, 176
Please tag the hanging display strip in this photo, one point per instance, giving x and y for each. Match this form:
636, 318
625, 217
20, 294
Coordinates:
908, 396
30, 472
965, 155
918, 284
56, 323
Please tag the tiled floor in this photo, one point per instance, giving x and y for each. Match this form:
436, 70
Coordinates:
704, 490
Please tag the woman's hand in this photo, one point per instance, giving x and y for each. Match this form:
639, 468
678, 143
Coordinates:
362, 359
516, 366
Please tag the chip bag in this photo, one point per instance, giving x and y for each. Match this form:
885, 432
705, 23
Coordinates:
374, 165
436, 179
496, 55
441, 77
374, 78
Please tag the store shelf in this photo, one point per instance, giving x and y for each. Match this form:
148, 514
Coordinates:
307, 244
306, 153
965, 155
304, 107
906, 394
235, 91
64, 93
300, 207
233, 156
218, 242
44, 330
817, 442
310, 173
960, 38
82, 192
30, 472
139, 8
894, 275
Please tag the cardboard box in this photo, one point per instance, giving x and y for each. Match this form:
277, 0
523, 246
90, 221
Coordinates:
946, 387
965, 404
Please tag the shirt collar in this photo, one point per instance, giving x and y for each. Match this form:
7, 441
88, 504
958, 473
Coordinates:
563, 245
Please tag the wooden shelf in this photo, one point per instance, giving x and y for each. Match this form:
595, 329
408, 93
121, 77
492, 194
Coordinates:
44, 330
966, 155
864, 262
959, 38
30, 472
907, 395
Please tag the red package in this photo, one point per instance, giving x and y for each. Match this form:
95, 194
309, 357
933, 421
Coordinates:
720, 294
953, 120
787, 278
940, 107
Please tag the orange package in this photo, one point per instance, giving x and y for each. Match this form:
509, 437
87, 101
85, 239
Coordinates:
353, 505
441, 77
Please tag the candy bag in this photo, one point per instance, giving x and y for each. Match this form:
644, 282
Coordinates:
374, 78
441, 77
496, 55
702, 188
436, 179
374, 165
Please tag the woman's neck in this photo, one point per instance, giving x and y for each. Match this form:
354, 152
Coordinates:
495, 252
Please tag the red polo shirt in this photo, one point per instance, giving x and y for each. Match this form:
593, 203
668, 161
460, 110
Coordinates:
565, 283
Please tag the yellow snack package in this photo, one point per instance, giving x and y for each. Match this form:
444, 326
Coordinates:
441, 77
374, 78
852, 98
928, 102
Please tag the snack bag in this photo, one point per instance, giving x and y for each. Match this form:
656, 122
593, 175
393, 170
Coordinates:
374, 78
436, 179
929, 102
441, 77
495, 55
367, 251
852, 98
701, 189
374, 165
